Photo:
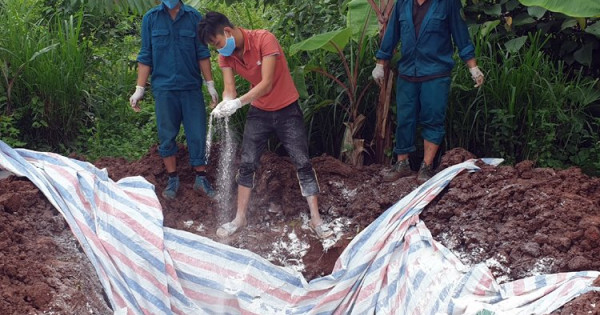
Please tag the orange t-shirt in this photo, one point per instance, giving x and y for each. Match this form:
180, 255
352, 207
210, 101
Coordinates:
258, 44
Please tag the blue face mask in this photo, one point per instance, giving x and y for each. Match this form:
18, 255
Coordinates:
171, 3
229, 47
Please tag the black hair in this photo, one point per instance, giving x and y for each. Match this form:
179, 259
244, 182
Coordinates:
212, 25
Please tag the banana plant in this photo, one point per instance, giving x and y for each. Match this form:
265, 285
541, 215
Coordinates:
572, 8
382, 138
361, 23
571, 23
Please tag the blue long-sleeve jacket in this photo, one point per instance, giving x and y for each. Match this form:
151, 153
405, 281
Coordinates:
430, 53
172, 48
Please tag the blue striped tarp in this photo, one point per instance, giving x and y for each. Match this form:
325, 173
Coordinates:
394, 266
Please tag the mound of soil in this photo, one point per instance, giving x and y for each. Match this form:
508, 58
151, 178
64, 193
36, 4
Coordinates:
520, 221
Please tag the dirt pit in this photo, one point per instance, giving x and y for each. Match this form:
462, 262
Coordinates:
521, 221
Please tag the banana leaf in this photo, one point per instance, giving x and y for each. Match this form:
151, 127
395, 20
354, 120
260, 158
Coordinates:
573, 8
326, 41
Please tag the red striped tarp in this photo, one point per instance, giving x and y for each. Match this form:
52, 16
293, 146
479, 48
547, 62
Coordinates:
394, 266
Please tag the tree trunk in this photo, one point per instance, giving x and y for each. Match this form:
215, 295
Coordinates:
383, 128
382, 139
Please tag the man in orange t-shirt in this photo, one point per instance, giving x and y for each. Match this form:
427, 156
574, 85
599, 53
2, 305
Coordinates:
257, 56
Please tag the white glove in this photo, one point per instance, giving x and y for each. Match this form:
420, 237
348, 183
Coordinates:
229, 107
210, 86
378, 73
216, 112
477, 76
137, 95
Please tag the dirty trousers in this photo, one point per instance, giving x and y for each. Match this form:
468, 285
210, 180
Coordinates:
288, 125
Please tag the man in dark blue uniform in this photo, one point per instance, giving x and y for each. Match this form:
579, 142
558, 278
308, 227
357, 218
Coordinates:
177, 60
427, 30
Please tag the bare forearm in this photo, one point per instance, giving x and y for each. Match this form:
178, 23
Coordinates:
471, 63
256, 92
204, 65
143, 74
383, 62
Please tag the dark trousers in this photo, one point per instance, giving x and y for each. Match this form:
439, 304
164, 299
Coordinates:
174, 107
288, 125
424, 103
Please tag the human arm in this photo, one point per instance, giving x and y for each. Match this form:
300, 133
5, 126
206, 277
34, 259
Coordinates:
229, 91
462, 39
388, 44
460, 32
228, 107
140, 88
204, 65
392, 35
144, 59
265, 85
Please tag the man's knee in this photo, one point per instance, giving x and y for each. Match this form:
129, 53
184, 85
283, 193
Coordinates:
245, 175
307, 178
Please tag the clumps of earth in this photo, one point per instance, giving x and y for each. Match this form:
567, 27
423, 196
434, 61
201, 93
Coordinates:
519, 220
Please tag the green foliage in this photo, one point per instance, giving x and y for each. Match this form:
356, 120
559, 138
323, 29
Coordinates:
292, 22
78, 73
574, 39
529, 108
333, 41
361, 19
9, 133
138, 7
43, 64
574, 8
348, 80
296, 20
116, 130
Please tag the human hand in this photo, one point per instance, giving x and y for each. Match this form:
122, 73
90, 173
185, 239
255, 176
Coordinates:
477, 76
227, 108
136, 97
216, 112
210, 86
378, 73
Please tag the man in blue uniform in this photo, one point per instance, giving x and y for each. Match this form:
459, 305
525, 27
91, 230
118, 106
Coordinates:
177, 60
427, 30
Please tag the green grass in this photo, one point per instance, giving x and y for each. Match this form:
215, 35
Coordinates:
530, 108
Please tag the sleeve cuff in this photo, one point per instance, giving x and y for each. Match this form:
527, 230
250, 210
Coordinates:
203, 56
467, 53
145, 61
383, 55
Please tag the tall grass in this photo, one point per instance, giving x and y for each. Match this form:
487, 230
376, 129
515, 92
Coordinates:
530, 108
58, 79
44, 65
115, 129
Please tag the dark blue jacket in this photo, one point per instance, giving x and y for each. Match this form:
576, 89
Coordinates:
172, 48
430, 53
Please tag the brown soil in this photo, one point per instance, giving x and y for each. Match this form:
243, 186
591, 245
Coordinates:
520, 220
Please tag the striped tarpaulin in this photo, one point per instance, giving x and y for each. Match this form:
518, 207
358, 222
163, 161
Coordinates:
394, 266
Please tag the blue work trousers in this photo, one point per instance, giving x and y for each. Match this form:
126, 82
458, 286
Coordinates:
174, 107
424, 103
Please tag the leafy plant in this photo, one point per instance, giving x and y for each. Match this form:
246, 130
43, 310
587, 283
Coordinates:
574, 8
105, 6
9, 133
360, 14
528, 109
574, 28
43, 65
